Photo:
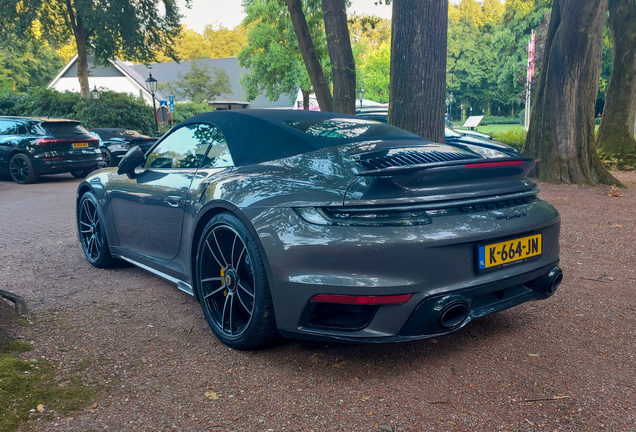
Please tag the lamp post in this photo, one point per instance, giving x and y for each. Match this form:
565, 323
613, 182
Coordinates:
499, 110
361, 95
471, 110
462, 108
151, 83
95, 94
450, 109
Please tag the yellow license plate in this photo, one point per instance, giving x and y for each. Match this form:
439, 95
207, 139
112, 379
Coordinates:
80, 145
498, 254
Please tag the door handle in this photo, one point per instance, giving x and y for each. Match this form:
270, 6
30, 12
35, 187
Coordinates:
173, 201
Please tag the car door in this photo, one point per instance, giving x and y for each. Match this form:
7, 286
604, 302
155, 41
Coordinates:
148, 209
7, 138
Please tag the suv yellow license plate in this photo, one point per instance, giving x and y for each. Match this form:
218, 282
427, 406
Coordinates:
80, 145
499, 254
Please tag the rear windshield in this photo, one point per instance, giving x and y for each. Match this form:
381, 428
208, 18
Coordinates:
347, 128
66, 130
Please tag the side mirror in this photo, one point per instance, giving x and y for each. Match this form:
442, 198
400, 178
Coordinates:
131, 160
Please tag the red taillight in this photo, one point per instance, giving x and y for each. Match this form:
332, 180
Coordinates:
53, 159
362, 300
47, 141
494, 164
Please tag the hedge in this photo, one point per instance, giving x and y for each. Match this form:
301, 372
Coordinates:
115, 109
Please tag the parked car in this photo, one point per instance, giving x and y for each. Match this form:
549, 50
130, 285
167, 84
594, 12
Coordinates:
115, 142
30, 147
485, 146
473, 133
324, 226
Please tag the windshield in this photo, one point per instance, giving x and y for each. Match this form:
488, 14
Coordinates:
449, 133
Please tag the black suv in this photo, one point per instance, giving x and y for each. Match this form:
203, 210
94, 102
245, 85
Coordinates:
32, 146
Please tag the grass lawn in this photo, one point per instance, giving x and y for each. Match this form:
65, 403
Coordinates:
500, 128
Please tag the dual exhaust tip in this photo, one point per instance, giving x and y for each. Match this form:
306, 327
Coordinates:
455, 313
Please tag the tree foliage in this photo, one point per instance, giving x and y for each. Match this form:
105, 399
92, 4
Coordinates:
199, 84
213, 43
272, 57
131, 29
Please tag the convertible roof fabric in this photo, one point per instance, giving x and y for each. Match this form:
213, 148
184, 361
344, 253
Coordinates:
255, 136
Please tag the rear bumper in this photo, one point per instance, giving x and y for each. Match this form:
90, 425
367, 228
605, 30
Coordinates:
55, 164
434, 263
445, 313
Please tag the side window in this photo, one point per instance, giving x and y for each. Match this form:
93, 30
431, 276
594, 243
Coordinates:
186, 147
7, 127
22, 130
219, 154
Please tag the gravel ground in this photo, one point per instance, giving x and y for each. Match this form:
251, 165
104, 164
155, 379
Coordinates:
564, 364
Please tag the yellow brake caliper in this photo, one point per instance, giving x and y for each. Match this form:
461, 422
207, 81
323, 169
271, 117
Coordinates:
223, 275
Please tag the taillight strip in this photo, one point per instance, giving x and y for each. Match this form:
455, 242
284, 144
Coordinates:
362, 300
493, 164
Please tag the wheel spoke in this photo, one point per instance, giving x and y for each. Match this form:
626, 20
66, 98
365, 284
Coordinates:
88, 212
98, 241
220, 251
232, 255
248, 310
231, 312
214, 255
251, 294
84, 223
216, 291
212, 279
238, 262
225, 305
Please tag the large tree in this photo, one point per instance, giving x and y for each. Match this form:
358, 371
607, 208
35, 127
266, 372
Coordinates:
342, 63
310, 55
562, 123
616, 133
199, 84
418, 67
133, 29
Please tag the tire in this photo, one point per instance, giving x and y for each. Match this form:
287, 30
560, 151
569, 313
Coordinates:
232, 285
21, 169
92, 234
107, 159
80, 174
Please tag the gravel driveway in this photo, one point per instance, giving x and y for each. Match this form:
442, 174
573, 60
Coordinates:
564, 364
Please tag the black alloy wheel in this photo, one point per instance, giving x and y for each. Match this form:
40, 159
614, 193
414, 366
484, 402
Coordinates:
21, 169
106, 158
91, 232
232, 284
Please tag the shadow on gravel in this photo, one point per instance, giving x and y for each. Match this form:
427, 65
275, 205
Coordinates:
347, 360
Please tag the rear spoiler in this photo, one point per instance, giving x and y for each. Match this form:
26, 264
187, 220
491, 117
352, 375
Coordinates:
519, 164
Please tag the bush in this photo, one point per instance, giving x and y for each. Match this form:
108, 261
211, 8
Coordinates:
115, 109
184, 111
513, 138
490, 120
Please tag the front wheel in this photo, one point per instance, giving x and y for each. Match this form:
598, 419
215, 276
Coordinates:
21, 169
232, 284
91, 232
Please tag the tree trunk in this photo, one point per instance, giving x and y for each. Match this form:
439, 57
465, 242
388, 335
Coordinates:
305, 99
418, 67
81, 37
616, 133
342, 64
310, 56
562, 123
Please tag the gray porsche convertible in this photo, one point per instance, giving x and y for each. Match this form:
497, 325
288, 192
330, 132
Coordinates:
324, 226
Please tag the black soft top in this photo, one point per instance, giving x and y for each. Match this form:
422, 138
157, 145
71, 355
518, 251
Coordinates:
255, 136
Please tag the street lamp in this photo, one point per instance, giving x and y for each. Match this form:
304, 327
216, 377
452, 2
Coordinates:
499, 110
95, 94
361, 95
462, 108
471, 110
450, 109
151, 83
